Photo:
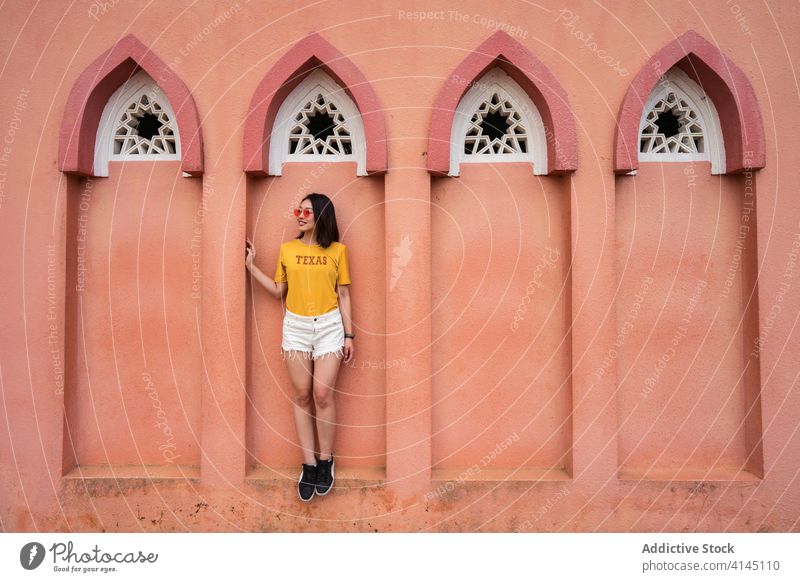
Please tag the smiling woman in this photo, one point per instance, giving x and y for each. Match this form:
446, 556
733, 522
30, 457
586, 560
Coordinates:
316, 325
622, 320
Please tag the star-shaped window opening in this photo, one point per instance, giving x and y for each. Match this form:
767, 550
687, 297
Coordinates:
320, 129
496, 128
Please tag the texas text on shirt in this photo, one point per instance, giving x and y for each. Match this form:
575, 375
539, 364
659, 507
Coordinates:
312, 273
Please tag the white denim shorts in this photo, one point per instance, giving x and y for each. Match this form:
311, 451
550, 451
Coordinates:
312, 336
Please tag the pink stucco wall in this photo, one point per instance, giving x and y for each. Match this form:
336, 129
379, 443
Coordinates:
452, 418
501, 317
688, 382
130, 317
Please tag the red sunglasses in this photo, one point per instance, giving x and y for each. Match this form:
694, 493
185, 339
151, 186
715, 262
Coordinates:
306, 212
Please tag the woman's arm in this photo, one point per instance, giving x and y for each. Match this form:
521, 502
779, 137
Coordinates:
277, 290
347, 320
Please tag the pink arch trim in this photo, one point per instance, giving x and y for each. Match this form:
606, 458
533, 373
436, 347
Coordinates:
726, 84
536, 80
310, 53
94, 87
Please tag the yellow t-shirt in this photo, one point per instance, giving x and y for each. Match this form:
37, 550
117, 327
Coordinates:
312, 273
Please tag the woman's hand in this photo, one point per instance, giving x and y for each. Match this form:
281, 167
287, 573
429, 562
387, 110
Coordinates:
250, 254
277, 290
348, 350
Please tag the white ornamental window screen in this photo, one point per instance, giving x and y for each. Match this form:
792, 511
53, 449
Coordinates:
320, 129
317, 121
144, 128
496, 121
496, 128
137, 124
679, 123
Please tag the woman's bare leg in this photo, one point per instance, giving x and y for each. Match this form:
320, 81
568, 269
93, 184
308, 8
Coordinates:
326, 368
300, 367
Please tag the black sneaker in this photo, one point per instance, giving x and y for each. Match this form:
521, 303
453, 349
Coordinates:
307, 481
324, 476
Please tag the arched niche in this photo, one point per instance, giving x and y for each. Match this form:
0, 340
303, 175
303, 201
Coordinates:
133, 245
686, 349
283, 163
501, 146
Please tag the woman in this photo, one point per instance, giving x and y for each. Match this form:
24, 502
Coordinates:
317, 329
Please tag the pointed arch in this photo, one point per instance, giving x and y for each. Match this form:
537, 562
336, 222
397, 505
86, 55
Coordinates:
119, 132
699, 133
97, 84
727, 85
308, 54
523, 138
317, 94
550, 99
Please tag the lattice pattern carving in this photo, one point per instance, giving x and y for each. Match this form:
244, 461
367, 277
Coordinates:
320, 129
672, 126
496, 128
144, 128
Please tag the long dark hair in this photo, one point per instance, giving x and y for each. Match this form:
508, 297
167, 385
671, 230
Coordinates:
325, 216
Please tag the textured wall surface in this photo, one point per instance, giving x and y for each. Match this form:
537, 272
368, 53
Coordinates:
581, 351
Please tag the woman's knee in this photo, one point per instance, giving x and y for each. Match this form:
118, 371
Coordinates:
302, 398
323, 396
